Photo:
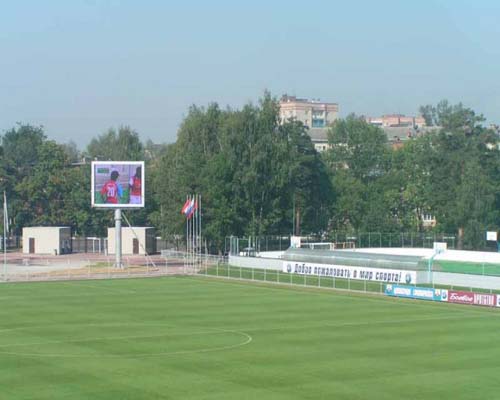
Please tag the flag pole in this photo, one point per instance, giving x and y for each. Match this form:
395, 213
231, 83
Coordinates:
5, 222
190, 220
200, 239
193, 233
187, 241
196, 228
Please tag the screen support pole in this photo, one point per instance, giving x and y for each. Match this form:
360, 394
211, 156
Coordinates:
118, 238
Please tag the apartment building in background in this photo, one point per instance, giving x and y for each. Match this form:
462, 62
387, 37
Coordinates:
397, 120
399, 127
314, 114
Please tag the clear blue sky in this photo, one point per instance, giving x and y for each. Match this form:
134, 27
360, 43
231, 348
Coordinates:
80, 67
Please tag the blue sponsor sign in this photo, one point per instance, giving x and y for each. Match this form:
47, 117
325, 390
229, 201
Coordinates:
416, 292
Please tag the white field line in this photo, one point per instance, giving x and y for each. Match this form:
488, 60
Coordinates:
239, 331
213, 331
366, 323
199, 280
125, 291
331, 292
106, 338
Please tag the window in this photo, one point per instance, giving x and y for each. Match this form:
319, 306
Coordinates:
318, 123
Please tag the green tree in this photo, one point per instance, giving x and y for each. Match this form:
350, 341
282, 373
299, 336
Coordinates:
452, 117
21, 145
358, 159
248, 169
121, 145
41, 193
71, 150
357, 146
458, 183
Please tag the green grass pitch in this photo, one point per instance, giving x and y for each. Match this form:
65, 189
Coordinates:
205, 338
467, 267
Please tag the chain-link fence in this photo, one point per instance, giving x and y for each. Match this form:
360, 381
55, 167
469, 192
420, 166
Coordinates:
408, 239
95, 245
89, 245
257, 244
12, 242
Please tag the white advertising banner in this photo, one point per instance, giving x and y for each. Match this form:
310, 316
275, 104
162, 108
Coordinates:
349, 272
295, 242
491, 236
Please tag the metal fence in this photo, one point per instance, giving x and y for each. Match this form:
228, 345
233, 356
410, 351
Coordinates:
272, 276
96, 245
192, 263
23, 267
62, 268
408, 239
12, 241
89, 245
256, 244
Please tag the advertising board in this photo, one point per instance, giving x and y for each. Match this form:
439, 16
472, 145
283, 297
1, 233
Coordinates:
460, 297
485, 299
117, 184
446, 295
473, 298
350, 272
415, 292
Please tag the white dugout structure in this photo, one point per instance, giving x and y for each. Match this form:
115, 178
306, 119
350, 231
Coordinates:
383, 265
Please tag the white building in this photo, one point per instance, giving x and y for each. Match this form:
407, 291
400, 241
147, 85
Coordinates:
135, 240
312, 113
47, 240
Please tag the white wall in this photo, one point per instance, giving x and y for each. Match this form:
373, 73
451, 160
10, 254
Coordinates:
467, 281
143, 234
448, 255
48, 239
256, 262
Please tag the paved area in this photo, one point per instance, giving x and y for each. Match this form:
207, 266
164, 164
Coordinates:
17, 263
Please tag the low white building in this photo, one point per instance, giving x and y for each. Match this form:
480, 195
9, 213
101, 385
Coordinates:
135, 240
47, 240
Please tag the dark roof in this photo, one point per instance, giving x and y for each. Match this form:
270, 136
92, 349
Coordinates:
402, 133
395, 133
318, 134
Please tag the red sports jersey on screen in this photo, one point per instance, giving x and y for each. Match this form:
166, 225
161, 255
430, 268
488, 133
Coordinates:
136, 186
110, 190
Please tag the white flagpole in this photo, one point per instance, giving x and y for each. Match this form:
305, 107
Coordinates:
190, 238
198, 226
193, 232
5, 222
195, 238
187, 240
199, 231
191, 217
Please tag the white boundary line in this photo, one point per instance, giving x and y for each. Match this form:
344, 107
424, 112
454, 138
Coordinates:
210, 331
107, 289
332, 292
